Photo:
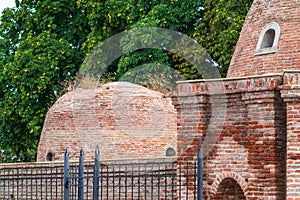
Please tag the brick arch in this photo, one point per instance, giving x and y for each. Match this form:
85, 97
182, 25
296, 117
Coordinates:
239, 179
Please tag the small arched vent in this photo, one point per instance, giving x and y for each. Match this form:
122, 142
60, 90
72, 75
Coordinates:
49, 156
268, 39
170, 152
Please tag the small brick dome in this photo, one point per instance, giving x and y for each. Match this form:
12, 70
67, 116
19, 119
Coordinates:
269, 41
125, 119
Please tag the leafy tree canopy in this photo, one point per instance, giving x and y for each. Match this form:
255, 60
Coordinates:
43, 44
219, 28
40, 46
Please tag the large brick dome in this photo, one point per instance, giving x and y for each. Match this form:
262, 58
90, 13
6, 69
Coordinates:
269, 41
126, 120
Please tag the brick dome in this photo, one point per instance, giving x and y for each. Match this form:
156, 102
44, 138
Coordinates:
126, 120
269, 41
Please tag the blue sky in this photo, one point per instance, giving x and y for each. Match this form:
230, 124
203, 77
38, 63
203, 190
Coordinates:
5, 4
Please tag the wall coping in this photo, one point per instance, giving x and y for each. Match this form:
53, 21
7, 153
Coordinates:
267, 82
240, 78
236, 78
58, 163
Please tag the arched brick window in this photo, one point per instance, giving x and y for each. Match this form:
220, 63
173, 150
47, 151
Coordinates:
170, 152
49, 156
229, 189
268, 39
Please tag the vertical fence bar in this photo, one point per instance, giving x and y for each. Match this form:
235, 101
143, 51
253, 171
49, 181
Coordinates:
36, 182
56, 185
31, 184
200, 172
87, 181
145, 181
126, 179
120, 176
13, 183
152, 181
187, 179
195, 178
180, 177
41, 183
4, 181
66, 175
17, 183
139, 180
173, 180
51, 179
96, 174
107, 182
113, 181
166, 180
22, 182
101, 182
158, 181
132, 181
80, 178
27, 192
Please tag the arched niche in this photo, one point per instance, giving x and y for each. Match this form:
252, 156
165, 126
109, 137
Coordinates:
268, 39
229, 189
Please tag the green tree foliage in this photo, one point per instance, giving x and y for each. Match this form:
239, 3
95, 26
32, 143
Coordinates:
43, 44
40, 45
219, 28
30, 85
175, 15
108, 18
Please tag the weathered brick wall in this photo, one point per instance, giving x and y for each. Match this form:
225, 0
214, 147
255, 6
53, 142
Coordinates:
291, 95
250, 150
286, 14
126, 120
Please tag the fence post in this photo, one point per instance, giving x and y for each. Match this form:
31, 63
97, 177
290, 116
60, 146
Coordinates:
66, 175
80, 177
200, 172
96, 174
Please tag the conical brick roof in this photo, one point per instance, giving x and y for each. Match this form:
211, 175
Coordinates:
269, 41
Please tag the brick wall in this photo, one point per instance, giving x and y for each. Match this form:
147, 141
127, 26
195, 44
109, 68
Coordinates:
249, 128
247, 149
286, 14
291, 95
126, 120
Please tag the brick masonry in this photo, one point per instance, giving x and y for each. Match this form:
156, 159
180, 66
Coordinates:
249, 125
291, 95
253, 143
287, 14
248, 153
126, 120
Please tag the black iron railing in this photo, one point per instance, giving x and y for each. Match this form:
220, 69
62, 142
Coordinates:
128, 180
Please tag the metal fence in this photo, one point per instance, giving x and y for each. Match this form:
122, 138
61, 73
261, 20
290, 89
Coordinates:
132, 179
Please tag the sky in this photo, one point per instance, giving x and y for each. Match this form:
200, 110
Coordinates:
5, 4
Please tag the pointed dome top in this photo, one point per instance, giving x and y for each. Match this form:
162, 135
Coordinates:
269, 41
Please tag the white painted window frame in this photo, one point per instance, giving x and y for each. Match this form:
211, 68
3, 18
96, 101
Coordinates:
261, 51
